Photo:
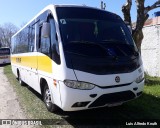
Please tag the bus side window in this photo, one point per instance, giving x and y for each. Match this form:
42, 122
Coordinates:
54, 42
44, 44
31, 38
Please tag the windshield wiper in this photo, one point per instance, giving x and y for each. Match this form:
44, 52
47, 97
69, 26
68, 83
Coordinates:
113, 40
88, 42
102, 49
118, 42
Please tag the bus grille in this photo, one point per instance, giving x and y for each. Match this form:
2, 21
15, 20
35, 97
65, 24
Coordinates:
113, 98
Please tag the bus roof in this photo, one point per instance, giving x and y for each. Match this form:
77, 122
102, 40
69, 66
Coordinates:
52, 6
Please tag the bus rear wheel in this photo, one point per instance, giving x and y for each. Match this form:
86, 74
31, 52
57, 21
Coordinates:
47, 99
20, 79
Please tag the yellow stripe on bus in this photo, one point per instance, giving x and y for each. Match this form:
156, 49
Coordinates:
45, 64
42, 63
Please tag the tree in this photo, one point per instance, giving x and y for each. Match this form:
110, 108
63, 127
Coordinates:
142, 16
6, 32
103, 5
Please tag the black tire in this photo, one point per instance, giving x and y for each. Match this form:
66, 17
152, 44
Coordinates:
19, 79
47, 100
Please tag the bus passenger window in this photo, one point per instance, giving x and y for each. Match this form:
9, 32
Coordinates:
31, 38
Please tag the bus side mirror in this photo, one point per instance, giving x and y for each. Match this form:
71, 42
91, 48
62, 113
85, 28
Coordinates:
46, 30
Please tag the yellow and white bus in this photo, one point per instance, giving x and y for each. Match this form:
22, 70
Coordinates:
77, 58
5, 56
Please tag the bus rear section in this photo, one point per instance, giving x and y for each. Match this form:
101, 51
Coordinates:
81, 60
4, 55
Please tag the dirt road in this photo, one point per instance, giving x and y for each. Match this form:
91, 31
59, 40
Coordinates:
9, 105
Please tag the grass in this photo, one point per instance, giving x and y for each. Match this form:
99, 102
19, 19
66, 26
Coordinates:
145, 107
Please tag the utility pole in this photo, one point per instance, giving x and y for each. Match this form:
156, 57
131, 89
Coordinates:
103, 5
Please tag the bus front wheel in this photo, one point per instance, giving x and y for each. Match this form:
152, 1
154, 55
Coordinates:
47, 99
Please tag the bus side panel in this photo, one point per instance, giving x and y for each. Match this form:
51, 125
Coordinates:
46, 72
13, 65
27, 67
31, 62
14, 69
54, 88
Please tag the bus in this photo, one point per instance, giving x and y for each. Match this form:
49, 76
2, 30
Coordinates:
78, 57
5, 55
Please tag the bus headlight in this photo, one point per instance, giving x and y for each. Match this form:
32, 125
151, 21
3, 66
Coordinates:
79, 85
140, 78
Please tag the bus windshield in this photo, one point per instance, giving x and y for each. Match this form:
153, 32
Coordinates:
4, 51
94, 33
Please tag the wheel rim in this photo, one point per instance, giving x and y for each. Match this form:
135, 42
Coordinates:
48, 97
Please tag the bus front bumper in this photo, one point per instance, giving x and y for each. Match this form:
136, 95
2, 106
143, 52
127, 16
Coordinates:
75, 99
